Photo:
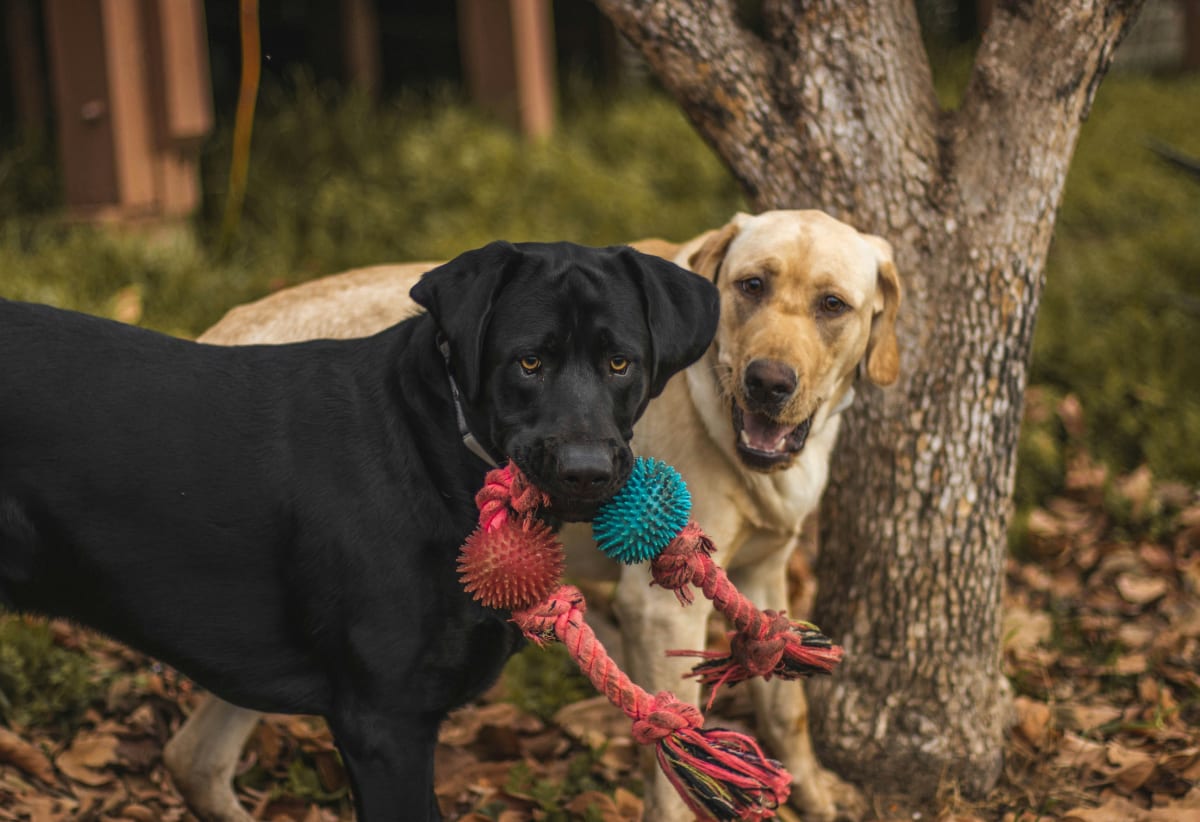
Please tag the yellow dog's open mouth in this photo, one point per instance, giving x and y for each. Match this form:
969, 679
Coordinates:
762, 442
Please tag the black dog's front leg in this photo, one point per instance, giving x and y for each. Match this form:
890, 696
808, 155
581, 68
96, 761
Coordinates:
389, 758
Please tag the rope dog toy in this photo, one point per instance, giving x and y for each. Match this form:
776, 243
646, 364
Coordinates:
514, 562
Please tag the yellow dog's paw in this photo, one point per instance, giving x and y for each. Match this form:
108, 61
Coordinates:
823, 796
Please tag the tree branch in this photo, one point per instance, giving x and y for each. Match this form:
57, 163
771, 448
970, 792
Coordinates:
834, 106
714, 68
1031, 87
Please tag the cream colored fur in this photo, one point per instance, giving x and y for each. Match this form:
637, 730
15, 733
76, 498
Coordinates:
754, 517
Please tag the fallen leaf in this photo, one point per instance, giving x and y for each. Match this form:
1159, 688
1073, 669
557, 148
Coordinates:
1129, 664
1076, 752
1024, 630
1033, 720
1134, 768
88, 755
1184, 764
1140, 590
16, 751
593, 721
1114, 810
1087, 717
139, 813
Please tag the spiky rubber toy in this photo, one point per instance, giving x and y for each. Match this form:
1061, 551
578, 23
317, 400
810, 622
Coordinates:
645, 515
512, 562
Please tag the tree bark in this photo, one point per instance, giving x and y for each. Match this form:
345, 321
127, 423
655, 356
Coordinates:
833, 107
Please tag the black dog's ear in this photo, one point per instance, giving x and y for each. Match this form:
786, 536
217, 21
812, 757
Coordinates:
460, 296
681, 309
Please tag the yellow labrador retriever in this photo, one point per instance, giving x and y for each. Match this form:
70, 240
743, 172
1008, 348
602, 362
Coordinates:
807, 303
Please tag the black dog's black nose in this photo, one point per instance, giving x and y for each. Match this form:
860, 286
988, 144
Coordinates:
770, 382
585, 471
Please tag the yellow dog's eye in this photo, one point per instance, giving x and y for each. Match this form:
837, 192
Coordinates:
531, 364
618, 364
833, 306
751, 286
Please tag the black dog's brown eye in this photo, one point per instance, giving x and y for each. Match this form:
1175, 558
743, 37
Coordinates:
618, 365
752, 286
531, 364
833, 306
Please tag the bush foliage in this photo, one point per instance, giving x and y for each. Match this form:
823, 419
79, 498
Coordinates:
41, 683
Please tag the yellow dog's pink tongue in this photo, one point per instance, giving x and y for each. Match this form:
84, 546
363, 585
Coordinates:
763, 434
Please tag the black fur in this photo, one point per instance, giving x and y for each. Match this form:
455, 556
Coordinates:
281, 523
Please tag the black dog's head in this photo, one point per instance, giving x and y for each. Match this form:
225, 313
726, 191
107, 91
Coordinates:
557, 348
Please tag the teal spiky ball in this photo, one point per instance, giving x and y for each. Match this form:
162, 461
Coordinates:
645, 515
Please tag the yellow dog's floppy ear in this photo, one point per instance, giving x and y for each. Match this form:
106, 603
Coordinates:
883, 349
706, 260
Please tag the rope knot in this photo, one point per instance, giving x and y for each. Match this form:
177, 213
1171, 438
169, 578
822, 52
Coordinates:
667, 716
507, 489
761, 652
543, 621
684, 562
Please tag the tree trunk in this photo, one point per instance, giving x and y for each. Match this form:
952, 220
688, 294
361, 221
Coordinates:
833, 108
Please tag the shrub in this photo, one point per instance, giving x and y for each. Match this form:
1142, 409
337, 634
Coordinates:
41, 683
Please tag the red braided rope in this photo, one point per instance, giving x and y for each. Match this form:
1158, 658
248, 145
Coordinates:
561, 615
507, 490
764, 643
687, 754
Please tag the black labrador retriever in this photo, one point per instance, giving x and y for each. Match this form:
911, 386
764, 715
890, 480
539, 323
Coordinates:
281, 523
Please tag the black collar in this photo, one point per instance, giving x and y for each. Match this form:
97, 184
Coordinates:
473, 445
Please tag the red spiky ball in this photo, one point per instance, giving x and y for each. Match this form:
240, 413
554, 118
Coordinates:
512, 566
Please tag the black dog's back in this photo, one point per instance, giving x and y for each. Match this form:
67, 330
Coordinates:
138, 467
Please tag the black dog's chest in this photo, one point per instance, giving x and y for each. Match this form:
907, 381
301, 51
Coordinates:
470, 662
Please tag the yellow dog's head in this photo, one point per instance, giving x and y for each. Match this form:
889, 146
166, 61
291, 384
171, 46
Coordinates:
805, 299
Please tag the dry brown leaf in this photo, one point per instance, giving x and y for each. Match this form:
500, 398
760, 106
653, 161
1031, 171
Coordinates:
139, 813
90, 753
593, 721
1139, 589
1087, 717
50, 808
1114, 810
330, 771
1137, 635
1136, 488
1076, 752
1070, 413
1024, 630
594, 802
499, 722
479, 778
16, 751
140, 753
547, 744
1184, 764
1033, 720
1133, 768
1129, 664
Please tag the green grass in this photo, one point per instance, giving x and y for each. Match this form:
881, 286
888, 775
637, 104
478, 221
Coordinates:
40, 682
1120, 319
